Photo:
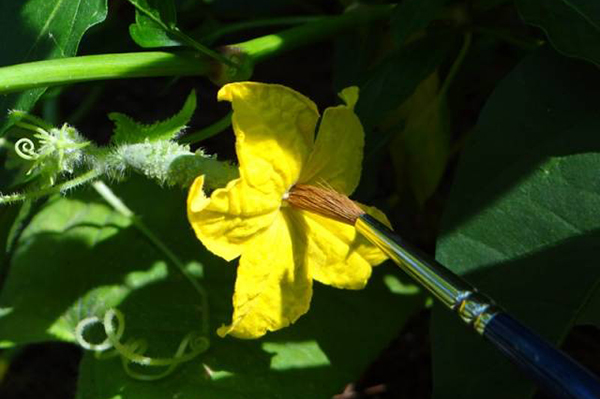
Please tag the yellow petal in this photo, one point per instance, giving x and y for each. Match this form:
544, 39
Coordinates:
350, 96
272, 289
274, 128
231, 217
337, 255
197, 200
337, 156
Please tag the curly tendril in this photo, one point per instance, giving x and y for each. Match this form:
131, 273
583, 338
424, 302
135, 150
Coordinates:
25, 148
192, 345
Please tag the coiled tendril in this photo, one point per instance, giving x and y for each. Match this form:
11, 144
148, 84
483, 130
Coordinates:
25, 148
133, 350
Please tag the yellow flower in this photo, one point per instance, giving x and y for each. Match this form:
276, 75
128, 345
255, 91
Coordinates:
282, 248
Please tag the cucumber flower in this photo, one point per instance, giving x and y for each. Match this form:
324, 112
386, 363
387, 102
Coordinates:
283, 249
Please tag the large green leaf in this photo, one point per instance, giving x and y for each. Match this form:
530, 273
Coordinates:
522, 221
573, 26
78, 257
325, 349
41, 29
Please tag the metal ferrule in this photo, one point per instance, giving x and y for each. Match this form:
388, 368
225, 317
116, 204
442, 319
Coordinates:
473, 307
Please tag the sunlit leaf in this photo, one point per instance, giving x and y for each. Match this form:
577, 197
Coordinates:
35, 30
521, 221
79, 257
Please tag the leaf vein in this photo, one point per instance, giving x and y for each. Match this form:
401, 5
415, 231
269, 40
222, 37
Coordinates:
45, 28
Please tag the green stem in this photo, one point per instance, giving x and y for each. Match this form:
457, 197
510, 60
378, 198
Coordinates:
265, 47
79, 180
146, 64
201, 48
457, 63
109, 196
21, 115
95, 67
208, 131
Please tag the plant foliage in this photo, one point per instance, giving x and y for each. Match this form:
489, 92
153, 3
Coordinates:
481, 145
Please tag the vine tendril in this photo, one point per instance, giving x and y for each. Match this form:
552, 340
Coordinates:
25, 148
133, 351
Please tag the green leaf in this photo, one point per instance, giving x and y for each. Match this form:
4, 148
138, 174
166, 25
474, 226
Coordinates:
69, 264
573, 26
521, 223
128, 131
38, 30
162, 12
78, 258
395, 79
8, 217
421, 149
387, 86
148, 34
411, 16
327, 348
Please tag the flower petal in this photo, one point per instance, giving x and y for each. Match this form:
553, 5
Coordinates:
337, 255
231, 217
336, 159
272, 289
274, 128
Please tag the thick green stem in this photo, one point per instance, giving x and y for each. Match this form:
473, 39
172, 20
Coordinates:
268, 46
106, 66
146, 64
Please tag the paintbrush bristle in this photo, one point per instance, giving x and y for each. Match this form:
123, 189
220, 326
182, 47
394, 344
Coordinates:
325, 202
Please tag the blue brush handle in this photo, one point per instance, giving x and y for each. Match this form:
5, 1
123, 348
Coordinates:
550, 368
554, 371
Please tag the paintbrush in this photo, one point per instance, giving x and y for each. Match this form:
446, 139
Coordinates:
553, 370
